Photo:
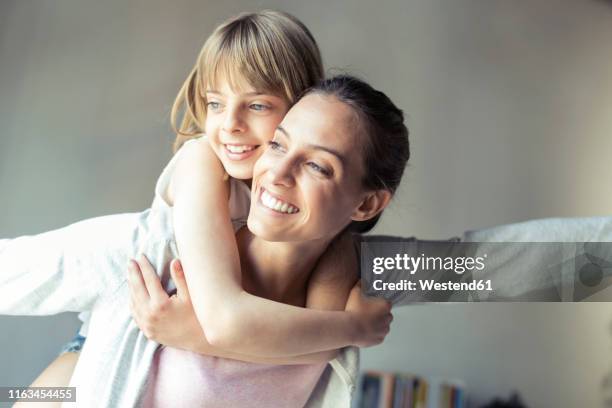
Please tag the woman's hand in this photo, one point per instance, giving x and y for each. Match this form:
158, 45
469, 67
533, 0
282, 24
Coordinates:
372, 316
169, 320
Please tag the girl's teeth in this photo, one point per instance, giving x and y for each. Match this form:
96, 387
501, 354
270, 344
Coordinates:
239, 149
284, 207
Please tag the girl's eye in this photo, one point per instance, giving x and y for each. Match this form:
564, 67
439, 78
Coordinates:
319, 169
213, 105
259, 107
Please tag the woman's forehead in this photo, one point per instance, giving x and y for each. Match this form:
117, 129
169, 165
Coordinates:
322, 118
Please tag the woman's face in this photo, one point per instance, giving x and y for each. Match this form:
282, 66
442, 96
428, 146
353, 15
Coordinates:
307, 184
239, 124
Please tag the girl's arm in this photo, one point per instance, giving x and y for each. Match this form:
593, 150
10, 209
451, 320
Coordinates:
233, 318
171, 320
335, 275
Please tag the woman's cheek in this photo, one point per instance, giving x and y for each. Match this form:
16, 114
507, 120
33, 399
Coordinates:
263, 163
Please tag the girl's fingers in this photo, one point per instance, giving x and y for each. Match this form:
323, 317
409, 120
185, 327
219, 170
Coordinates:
151, 280
134, 310
138, 290
176, 269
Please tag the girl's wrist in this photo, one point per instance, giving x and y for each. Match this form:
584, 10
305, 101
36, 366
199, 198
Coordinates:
353, 328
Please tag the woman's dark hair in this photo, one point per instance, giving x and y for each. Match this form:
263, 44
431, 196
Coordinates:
386, 149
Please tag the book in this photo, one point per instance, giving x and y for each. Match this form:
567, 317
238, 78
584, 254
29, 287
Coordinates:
379, 389
369, 391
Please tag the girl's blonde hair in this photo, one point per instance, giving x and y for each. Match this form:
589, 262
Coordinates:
272, 51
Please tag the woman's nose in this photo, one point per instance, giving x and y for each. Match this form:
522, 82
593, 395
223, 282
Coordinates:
233, 121
282, 173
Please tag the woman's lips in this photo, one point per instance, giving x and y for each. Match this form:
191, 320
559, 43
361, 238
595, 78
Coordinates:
238, 152
276, 204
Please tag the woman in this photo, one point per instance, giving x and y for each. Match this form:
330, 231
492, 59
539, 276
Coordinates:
337, 157
351, 186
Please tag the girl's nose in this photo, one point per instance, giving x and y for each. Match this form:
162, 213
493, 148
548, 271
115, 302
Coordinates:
233, 121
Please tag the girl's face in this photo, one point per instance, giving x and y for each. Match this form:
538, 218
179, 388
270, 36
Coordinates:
307, 184
239, 124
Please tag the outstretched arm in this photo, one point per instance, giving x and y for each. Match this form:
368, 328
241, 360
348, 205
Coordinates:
66, 269
233, 318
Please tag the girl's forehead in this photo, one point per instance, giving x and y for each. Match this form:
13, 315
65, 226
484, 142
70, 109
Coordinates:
232, 83
239, 88
231, 79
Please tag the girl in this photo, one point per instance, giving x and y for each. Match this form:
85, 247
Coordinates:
280, 47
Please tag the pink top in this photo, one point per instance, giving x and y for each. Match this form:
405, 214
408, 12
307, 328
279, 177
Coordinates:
184, 379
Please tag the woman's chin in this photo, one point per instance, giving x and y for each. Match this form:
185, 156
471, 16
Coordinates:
265, 231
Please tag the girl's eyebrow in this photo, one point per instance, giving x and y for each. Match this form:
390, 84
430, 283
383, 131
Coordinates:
315, 146
254, 93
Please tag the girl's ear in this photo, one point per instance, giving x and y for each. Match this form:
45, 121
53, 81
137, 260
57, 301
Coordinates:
373, 203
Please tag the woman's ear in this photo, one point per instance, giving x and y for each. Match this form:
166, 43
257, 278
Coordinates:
373, 203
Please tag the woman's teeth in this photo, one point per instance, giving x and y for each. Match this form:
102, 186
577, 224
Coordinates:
277, 205
239, 148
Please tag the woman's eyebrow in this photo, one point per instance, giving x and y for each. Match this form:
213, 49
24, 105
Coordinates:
315, 146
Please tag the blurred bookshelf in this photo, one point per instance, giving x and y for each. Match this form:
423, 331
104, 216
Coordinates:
380, 389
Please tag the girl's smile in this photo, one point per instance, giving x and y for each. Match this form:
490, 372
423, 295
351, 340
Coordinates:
239, 123
239, 152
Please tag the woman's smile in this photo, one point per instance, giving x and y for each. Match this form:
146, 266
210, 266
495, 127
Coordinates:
303, 173
276, 204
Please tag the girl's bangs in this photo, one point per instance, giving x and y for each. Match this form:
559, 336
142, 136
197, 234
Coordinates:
242, 68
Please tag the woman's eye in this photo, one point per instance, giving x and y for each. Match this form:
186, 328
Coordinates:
274, 145
319, 169
259, 107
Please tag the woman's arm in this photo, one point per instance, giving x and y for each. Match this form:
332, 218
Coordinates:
66, 269
212, 270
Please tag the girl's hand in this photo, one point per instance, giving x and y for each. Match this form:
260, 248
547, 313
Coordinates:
372, 316
172, 321
167, 320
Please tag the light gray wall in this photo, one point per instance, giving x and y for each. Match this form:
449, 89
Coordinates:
509, 109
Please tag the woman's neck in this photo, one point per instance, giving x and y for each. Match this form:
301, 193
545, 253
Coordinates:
277, 270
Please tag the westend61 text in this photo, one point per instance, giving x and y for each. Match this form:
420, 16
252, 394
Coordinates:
430, 284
